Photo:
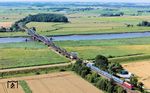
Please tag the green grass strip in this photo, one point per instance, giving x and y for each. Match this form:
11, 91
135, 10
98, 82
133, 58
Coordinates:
25, 86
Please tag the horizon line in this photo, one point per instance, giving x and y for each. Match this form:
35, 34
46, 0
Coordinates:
74, 1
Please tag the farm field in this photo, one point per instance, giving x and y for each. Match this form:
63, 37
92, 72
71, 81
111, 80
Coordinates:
122, 50
142, 70
92, 25
62, 82
21, 57
82, 24
4, 89
5, 24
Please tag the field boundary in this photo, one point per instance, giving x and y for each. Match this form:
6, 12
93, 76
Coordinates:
34, 67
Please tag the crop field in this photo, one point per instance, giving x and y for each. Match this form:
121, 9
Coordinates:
123, 50
4, 89
86, 24
62, 82
22, 57
92, 25
5, 24
142, 70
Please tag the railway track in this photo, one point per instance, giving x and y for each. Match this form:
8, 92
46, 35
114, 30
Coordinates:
49, 43
59, 50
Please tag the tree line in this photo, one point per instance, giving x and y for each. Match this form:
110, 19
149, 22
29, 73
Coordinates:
104, 84
112, 14
144, 23
103, 63
36, 18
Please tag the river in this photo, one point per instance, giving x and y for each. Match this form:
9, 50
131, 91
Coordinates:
82, 37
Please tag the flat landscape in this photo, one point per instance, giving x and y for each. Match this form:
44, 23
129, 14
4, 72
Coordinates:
121, 31
28, 55
122, 50
62, 82
142, 70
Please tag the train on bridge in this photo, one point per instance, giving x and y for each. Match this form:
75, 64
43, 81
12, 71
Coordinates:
48, 42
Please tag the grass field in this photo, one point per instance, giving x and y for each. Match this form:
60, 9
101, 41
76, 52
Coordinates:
137, 47
123, 50
92, 25
21, 56
82, 24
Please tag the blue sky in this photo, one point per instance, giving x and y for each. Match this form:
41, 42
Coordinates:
144, 1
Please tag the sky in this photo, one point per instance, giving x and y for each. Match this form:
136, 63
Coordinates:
139, 1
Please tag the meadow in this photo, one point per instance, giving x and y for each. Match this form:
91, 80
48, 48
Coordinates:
36, 53
118, 50
92, 25
81, 22
23, 55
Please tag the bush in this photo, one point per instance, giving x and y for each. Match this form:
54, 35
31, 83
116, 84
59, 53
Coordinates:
112, 14
37, 73
144, 23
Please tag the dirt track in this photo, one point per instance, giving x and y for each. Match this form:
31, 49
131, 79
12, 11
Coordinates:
34, 67
60, 82
142, 70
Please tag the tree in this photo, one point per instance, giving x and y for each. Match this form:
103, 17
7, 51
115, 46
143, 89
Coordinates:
84, 71
110, 89
43, 17
33, 28
2, 29
101, 62
93, 78
102, 83
144, 23
89, 78
140, 86
114, 68
121, 90
134, 81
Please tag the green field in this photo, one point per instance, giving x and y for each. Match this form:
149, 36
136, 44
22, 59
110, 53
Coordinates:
35, 53
95, 25
85, 25
123, 49
80, 23
23, 54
